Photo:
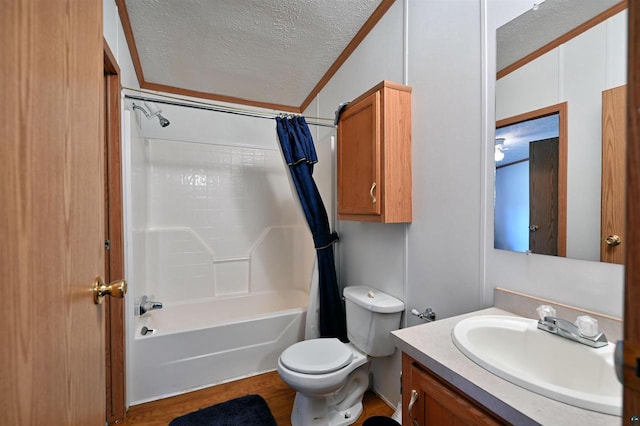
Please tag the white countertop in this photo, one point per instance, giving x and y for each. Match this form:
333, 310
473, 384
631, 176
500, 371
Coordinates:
430, 344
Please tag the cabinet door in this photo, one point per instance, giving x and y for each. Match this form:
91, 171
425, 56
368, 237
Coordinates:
359, 165
437, 403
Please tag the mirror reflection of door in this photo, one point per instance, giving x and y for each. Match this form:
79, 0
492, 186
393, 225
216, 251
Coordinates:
530, 182
543, 196
612, 241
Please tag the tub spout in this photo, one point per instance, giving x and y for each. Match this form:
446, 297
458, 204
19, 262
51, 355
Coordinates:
147, 305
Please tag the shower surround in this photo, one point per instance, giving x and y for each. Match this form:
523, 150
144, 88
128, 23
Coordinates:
218, 238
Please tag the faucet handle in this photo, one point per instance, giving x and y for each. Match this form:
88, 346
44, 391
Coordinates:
587, 325
545, 311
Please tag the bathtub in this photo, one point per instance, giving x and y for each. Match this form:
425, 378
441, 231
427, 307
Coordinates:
196, 345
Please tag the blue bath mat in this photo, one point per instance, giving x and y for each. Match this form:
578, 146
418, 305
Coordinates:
249, 410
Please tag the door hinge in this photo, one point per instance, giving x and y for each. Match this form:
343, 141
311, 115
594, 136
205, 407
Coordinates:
107, 245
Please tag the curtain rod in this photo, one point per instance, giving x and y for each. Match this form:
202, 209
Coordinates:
266, 115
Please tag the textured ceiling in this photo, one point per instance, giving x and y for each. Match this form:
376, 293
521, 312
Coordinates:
535, 28
267, 51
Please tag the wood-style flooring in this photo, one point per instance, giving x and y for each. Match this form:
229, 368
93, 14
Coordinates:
278, 395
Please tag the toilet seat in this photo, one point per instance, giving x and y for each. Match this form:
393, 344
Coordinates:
317, 356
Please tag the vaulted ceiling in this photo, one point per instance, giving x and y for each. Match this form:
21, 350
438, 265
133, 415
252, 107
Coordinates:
275, 53
280, 53
545, 23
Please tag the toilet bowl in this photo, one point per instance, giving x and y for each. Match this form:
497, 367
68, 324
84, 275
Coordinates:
328, 391
330, 377
328, 361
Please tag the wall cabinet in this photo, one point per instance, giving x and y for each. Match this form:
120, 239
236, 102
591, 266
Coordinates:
429, 400
374, 156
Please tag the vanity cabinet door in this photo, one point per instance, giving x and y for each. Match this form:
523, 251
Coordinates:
437, 402
374, 156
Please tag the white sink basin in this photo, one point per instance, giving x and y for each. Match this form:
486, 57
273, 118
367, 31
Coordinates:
514, 349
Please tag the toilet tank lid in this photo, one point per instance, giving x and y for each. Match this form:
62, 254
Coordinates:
373, 300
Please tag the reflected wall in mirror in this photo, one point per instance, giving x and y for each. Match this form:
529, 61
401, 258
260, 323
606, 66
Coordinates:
584, 59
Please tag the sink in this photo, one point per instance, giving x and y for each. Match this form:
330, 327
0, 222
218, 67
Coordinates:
514, 349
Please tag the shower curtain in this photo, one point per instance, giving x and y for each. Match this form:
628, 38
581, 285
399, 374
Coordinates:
300, 154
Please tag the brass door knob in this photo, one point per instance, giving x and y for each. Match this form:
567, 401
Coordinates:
613, 240
115, 289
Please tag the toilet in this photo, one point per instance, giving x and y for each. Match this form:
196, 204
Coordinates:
329, 376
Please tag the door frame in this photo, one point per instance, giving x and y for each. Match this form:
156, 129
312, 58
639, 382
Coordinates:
631, 405
114, 254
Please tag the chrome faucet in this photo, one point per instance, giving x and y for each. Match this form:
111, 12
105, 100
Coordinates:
568, 330
147, 305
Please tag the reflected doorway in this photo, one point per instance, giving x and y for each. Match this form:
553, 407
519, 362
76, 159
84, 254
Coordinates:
530, 183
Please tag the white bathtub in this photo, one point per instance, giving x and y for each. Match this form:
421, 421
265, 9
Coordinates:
209, 342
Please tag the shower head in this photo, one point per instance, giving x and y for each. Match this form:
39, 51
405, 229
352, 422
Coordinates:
163, 121
154, 111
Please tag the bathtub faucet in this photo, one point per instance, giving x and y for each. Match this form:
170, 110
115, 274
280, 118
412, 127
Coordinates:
147, 305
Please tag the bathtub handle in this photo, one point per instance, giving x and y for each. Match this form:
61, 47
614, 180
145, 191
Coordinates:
147, 305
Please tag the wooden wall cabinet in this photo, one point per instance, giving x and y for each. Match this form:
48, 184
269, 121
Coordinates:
438, 402
374, 156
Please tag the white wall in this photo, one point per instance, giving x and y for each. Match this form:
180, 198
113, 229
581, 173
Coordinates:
114, 35
433, 46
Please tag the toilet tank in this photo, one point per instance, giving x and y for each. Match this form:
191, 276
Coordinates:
371, 317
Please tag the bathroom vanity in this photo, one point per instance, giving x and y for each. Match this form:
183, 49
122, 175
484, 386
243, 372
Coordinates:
432, 400
449, 388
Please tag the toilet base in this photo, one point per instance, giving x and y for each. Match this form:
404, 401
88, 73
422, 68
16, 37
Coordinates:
314, 411
338, 409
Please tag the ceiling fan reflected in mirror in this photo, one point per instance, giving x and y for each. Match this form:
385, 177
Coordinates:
499, 149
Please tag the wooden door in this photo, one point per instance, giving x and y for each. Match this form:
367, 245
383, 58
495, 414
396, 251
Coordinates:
359, 162
543, 196
614, 136
631, 405
52, 369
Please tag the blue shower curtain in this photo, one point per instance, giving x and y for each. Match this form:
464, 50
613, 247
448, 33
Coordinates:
300, 154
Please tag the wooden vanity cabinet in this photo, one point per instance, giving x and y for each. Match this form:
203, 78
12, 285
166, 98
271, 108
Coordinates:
374, 156
438, 402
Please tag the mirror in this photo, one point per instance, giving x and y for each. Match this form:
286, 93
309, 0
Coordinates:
555, 63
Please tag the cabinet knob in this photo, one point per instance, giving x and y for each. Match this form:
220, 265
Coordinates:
373, 198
